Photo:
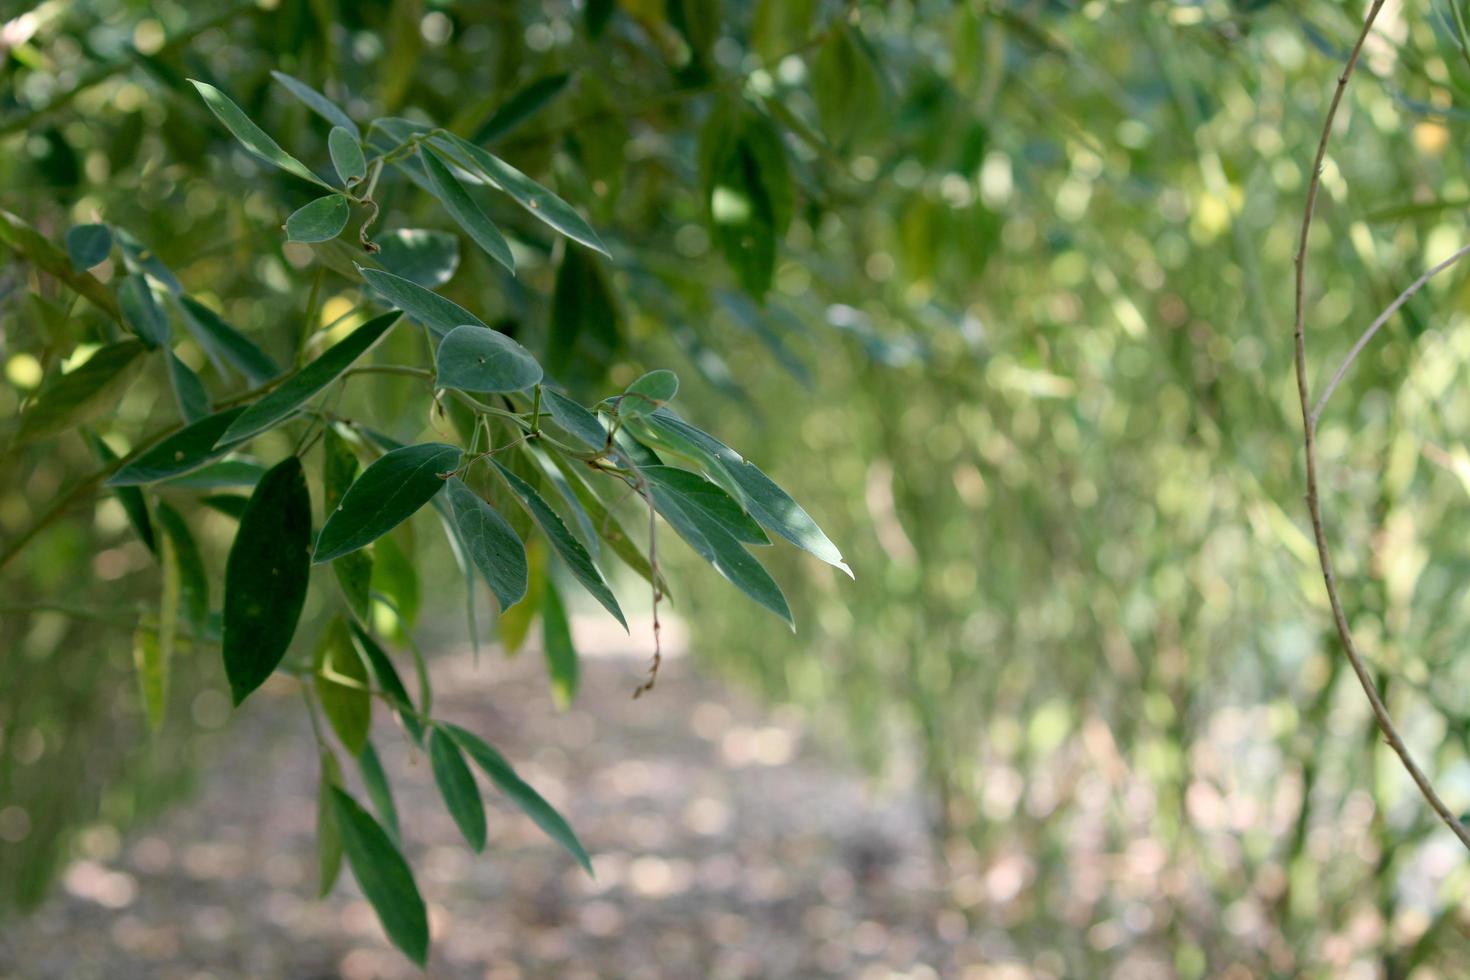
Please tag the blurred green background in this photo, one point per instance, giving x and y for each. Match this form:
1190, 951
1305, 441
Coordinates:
1026, 358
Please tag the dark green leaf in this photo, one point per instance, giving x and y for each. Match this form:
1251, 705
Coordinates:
347, 155
131, 498
328, 837
384, 877
189, 391
608, 527
423, 257
317, 102
342, 685
432, 310
320, 221
84, 394
568, 547
188, 449
354, 571
266, 577
520, 793
556, 640
652, 391
521, 106
718, 505
140, 311
457, 786
301, 386
463, 209
193, 579
491, 544
389, 681
375, 781
229, 504
223, 343
31, 245
585, 332
88, 245
139, 258
388, 493
475, 358
575, 419
251, 136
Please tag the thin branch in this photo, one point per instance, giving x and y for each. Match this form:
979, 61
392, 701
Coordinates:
1374, 327
1309, 445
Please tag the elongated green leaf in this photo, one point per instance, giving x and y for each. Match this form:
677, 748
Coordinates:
847, 89
463, 209
224, 344
31, 245
586, 323
301, 386
317, 102
474, 358
140, 259
152, 668
575, 419
389, 681
384, 877
354, 570
320, 221
457, 786
328, 837
341, 682
608, 527
84, 394
375, 781
395, 578
231, 505
520, 793
491, 543
188, 449
388, 493
226, 474
424, 257
542, 204
652, 391
131, 498
561, 654
88, 245
189, 391
266, 577
513, 626
568, 547
141, 313
251, 136
193, 579
347, 155
521, 106
432, 310
716, 504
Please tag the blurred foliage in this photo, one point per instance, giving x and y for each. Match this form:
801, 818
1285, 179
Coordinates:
1022, 346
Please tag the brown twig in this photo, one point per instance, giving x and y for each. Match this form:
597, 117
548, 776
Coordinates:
1309, 439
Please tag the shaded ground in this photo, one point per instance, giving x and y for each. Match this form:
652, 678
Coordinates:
724, 846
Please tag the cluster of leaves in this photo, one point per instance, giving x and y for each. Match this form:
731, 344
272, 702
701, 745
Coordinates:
529, 457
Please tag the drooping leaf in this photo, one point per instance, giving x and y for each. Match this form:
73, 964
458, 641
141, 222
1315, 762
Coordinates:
347, 156
223, 343
375, 781
354, 570
585, 331
388, 492
292, 393
652, 391
84, 394
251, 136
266, 577
568, 547
747, 192
131, 498
520, 793
188, 449
424, 257
88, 245
193, 579
152, 669
457, 787
394, 576
389, 681
384, 877
432, 310
575, 419
556, 642
341, 682
475, 358
609, 528
514, 624
718, 505
141, 313
317, 102
521, 106
463, 209
320, 221
189, 391
491, 543
328, 837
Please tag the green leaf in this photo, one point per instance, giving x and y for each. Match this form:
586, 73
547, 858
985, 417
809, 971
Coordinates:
375, 781
652, 391
319, 221
514, 624
131, 498
231, 505
576, 420
141, 313
88, 246
139, 258
521, 106
341, 682
84, 394
388, 493
389, 682
395, 577
384, 877
347, 155
34, 247
463, 209
316, 102
608, 527
328, 837
189, 391
543, 205
474, 358
847, 89
188, 449
520, 793
193, 579
424, 257
354, 571
152, 668
714, 502
225, 474
747, 190
457, 786
432, 310
251, 136
491, 543
568, 547
223, 343
780, 27
266, 577
585, 329
556, 641
301, 386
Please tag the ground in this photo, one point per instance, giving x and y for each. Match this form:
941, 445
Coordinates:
725, 844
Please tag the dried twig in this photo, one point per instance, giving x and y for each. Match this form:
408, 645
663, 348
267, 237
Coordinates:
1309, 438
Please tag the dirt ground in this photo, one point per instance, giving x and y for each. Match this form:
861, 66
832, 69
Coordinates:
725, 845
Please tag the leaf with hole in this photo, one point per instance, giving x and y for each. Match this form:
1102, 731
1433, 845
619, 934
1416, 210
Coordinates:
457, 787
320, 221
384, 877
474, 358
388, 492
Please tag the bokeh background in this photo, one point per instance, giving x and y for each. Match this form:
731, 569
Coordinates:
1026, 359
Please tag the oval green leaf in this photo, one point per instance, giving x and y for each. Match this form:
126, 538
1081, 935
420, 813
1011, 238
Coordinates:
384, 877
140, 311
189, 391
320, 221
650, 392
188, 449
457, 786
88, 246
347, 155
474, 358
388, 493
422, 256
578, 421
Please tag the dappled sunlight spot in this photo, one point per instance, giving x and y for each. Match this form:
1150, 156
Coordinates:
654, 877
1006, 878
709, 719
93, 882
600, 918
215, 860
141, 939
706, 816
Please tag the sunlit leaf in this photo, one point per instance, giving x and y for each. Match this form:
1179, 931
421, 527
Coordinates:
341, 682
152, 670
714, 502
84, 394
387, 493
